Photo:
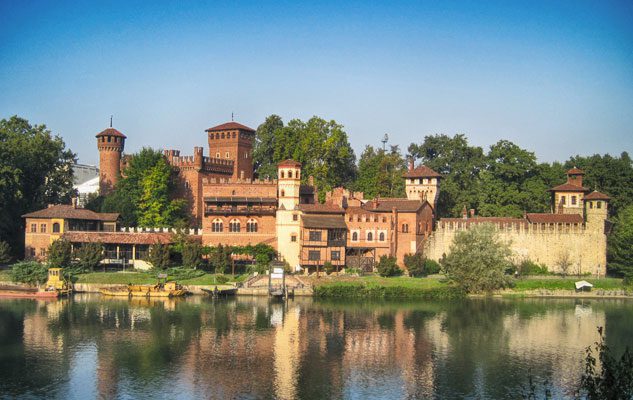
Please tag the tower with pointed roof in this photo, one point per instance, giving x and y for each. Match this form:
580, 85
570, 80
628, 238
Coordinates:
568, 197
110, 143
288, 216
233, 141
422, 183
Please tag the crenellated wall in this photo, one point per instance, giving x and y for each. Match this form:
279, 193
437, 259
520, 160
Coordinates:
548, 244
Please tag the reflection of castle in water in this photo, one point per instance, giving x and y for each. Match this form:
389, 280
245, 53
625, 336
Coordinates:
229, 349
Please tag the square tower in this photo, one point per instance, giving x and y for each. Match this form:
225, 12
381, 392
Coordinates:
568, 197
233, 141
422, 183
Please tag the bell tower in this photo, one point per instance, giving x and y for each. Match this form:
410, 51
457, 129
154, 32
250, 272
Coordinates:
233, 141
422, 183
110, 143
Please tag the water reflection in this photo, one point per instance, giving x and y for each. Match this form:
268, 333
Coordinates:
93, 347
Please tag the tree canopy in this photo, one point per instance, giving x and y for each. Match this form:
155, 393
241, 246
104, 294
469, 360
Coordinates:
35, 170
621, 244
380, 173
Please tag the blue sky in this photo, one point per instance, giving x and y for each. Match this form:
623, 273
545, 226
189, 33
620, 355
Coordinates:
555, 77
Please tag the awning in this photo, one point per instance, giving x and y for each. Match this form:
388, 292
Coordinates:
583, 285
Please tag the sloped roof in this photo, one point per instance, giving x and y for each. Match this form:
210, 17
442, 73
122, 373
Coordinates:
230, 126
110, 132
289, 163
568, 187
321, 208
575, 171
324, 221
595, 195
546, 218
66, 211
387, 204
119, 237
422, 171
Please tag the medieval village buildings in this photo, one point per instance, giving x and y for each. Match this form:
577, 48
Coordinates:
230, 207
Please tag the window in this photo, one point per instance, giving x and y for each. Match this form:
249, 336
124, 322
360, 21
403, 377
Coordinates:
217, 226
370, 237
381, 237
283, 193
251, 225
42, 252
222, 135
295, 217
33, 228
314, 255
290, 174
405, 228
283, 175
293, 238
562, 199
43, 228
109, 139
384, 219
246, 154
315, 236
591, 204
56, 227
227, 154
354, 236
336, 255
598, 204
233, 135
234, 226
217, 155
31, 252
217, 135
573, 200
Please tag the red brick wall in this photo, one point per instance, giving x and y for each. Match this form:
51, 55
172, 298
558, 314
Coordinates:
233, 145
266, 231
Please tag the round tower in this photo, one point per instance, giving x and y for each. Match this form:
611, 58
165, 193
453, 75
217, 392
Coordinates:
110, 143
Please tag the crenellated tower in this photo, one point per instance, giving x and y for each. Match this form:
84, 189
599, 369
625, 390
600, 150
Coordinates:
233, 141
596, 210
111, 144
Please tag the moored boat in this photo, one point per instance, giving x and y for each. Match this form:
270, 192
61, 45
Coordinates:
167, 289
55, 287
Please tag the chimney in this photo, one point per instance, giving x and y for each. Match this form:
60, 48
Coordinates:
472, 213
464, 213
411, 164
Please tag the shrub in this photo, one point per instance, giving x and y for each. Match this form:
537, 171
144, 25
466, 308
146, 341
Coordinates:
191, 254
181, 274
477, 260
29, 272
60, 254
362, 290
88, 256
159, 255
221, 279
387, 266
528, 267
415, 264
431, 267
328, 267
5, 252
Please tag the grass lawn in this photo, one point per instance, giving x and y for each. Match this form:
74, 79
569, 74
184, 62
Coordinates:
566, 283
124, 278
5, 276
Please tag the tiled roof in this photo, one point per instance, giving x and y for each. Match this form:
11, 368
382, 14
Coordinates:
110, 132
595, 195
422, 172
119, 237
568, 187
538, 218
230, 126
69, 212
575, 171
324, 221
387, 204
289, 163
321, 208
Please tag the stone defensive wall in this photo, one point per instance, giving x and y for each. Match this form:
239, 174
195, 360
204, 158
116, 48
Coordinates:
199, 162
583, 248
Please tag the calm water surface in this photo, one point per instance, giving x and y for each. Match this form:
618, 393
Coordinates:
249, 348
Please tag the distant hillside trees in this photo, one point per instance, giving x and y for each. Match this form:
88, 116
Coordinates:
35, 170
321, 146
146, 194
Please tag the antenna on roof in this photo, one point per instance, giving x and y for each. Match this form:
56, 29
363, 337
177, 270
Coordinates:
231, 117
384, 141
110, 121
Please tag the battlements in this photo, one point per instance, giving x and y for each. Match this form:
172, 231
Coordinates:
516, 225
199, 161
238, 181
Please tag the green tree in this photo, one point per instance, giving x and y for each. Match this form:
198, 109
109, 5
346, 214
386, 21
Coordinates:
159, 255
35, 170
264, 162
415, 264
380, 173
88, 256
155, 208
60, 254
478, 259
220, 258
191, 254
620, 244
5, 252
29, 272
388, 266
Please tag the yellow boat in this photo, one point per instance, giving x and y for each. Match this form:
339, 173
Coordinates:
167, 289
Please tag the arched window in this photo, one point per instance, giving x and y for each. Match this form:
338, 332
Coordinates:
251, 225
290, 174
56, 227
217, 226
354, 236
405, 228
382, 236
283, 175
234, 226
222, 135
283, 193
370, 236
233, 193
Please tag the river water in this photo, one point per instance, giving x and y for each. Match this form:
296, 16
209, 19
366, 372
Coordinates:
93, 347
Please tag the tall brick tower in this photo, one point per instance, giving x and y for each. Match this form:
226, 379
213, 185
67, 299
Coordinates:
110, 143
233, 141
422, 183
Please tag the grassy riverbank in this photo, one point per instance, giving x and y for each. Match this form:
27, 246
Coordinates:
147, 278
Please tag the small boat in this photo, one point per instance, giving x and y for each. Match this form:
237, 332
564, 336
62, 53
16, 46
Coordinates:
56, 286
220, 292
166, 289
